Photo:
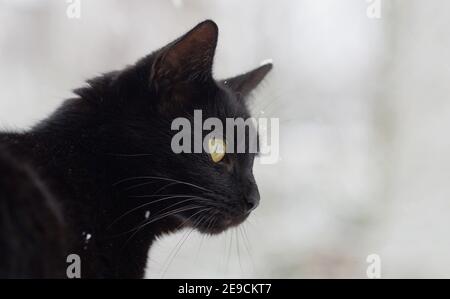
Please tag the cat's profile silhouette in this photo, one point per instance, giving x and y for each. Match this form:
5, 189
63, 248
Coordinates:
98, 178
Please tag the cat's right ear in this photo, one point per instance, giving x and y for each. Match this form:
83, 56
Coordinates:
189, 58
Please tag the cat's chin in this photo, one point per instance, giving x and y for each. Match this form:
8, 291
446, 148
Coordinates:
218, 225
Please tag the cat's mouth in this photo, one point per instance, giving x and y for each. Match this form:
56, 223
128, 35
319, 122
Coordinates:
214, 214
215, 223
222, 223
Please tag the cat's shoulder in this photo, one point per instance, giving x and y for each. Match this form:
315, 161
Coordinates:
31, 225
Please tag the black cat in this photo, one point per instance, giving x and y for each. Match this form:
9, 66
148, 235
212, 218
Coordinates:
99, 179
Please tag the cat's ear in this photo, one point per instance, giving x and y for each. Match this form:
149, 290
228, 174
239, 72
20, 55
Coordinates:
188, 58
245, 83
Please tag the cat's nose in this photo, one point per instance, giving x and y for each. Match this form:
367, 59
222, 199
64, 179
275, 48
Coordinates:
252, 200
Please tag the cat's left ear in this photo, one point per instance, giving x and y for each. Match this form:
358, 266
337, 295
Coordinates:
245, 83
189, 58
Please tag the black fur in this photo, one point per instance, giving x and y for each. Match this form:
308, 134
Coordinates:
31, 227
106, 159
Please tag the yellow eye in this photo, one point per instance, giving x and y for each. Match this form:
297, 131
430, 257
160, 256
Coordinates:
217, 148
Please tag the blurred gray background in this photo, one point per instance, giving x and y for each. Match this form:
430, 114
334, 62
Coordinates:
363, 104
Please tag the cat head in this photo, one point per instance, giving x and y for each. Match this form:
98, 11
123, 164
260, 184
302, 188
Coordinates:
141, 102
